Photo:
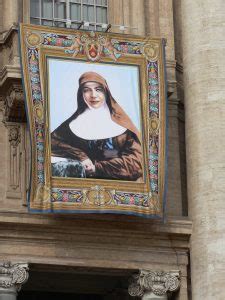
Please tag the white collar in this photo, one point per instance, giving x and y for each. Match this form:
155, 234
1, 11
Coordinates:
96, 124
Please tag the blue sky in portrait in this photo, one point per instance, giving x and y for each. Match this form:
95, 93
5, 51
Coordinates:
123, 82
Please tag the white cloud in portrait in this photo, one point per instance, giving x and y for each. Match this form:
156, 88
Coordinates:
123, 82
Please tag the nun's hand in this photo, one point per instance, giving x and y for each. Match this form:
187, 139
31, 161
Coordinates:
88, 166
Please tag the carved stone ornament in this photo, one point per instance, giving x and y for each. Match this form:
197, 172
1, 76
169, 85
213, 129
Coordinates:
14, 135
158, 282
14, 109
13, 275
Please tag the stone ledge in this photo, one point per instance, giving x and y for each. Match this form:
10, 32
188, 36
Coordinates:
173, 225
12, 72
95, 241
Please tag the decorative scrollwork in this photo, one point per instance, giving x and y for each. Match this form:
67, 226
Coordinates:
172, 282
151, 51
38, 112
98, 195
135, 290
33, 39
158, 282
154, 125
94, 46
43, 194
13, 275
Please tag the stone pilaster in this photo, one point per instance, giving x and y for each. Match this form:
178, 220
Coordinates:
154, 284
137, 17
12, 277
16, 155
129, 13
17, 171
204, 77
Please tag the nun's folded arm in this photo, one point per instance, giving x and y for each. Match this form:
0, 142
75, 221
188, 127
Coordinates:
61, 148
126, 166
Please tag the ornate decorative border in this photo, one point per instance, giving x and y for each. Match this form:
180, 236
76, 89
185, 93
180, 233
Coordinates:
94, 47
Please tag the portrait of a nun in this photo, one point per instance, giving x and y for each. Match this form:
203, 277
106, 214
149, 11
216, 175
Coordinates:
99, 140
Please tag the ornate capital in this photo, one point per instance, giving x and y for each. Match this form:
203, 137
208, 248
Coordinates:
13, 275
157, 282
14, 104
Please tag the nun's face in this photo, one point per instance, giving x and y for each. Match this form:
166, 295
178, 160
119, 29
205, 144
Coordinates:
94, 94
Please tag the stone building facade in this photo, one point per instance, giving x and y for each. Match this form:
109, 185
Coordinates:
112, 256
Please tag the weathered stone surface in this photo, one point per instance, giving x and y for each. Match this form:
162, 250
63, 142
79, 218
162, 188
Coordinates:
203, 58
108, 242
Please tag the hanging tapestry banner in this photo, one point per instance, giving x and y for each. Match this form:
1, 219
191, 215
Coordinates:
96, 111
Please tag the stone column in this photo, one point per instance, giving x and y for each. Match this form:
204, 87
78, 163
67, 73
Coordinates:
12, 276
11, 13
204, 78
154, 285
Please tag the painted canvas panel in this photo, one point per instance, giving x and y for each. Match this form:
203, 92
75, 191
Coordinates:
95, 120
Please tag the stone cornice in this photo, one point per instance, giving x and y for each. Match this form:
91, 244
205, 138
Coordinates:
177, 226
108, 243
10, 72
5, 35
